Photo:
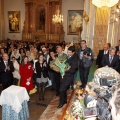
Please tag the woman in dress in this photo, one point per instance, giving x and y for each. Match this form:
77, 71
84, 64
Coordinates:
22, 52
26, 73
41, 69
16, 54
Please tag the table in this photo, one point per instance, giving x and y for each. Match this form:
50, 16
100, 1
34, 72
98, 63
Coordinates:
14, 103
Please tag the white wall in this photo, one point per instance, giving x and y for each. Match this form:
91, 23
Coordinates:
14, 5
1, 20
70, 5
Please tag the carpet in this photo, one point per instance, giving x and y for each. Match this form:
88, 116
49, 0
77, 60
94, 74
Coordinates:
91, 73
52, 112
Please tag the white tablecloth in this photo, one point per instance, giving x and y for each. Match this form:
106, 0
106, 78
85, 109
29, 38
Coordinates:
14, 97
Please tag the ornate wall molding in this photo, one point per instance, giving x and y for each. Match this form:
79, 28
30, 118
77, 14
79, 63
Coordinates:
38, 20
100, 30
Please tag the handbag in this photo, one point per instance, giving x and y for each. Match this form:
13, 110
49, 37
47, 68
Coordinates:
34, 77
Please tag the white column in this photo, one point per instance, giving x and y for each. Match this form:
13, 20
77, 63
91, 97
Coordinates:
92, 17
113, 27
86, 8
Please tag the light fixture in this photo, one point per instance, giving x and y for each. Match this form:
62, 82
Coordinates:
104, 3
115, 14
118, 8
57, 17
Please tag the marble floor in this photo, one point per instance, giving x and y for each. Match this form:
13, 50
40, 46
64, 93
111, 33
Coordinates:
36, 107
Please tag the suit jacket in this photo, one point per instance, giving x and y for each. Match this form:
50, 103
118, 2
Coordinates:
99, 58
69, 75
43, 69
117, 48
6, 76
114, 64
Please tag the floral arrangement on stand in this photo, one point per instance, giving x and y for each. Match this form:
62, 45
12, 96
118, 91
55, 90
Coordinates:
76, 107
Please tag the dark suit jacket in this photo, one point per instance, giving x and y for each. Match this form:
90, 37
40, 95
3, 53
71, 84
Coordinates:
87, 62
99, 58
40, 70
6, 76
69, 75
117, 48
114, 64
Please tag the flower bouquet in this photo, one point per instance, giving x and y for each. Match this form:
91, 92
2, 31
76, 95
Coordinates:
77, 108
60, 65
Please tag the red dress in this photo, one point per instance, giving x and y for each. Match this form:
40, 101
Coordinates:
26, 72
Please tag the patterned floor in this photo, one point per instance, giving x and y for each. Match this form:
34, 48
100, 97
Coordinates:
52, 112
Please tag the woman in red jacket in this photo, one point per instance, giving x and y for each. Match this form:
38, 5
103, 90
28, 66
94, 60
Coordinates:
26, 72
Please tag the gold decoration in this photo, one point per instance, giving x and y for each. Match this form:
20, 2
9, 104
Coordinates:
85, 16
68, 116
34, 90
79, 92
57, 18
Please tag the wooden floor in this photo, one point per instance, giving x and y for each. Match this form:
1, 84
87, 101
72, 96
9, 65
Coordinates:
52, 112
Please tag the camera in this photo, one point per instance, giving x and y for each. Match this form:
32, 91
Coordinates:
90, 112
107, 82
86, 53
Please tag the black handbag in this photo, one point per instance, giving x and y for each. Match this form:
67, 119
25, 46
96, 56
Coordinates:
34, 77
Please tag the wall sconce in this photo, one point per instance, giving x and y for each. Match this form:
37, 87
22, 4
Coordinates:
116, 12
112, 20
85, 16
118, 8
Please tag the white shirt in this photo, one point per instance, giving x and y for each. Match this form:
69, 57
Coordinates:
6, 63
81, 55
105, 52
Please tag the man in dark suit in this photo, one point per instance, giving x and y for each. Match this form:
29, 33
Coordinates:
118, 47
69, 76
6, 69
111, 59
101, 54
59, 51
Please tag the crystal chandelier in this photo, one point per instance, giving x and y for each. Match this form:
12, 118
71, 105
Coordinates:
104, 3
57, 18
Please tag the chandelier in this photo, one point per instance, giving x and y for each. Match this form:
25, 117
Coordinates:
57, 18
104, 3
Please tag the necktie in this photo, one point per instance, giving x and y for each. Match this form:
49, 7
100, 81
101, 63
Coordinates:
6, 63
110, 59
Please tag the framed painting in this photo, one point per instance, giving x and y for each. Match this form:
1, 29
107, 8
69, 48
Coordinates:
74, 21
14, 21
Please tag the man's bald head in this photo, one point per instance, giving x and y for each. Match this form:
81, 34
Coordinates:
59, 49
5, 57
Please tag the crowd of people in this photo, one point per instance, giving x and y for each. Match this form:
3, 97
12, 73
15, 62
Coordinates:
30, 63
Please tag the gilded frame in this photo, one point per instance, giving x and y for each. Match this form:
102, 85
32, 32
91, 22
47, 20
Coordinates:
74, 21
14, 21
